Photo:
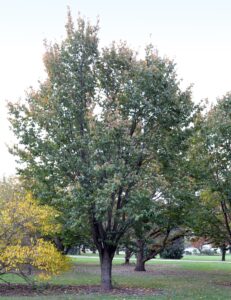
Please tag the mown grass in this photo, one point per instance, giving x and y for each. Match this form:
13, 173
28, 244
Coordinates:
177, 280
120, 259
186, 257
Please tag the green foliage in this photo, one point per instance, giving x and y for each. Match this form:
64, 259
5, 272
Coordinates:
102, 133
210, 158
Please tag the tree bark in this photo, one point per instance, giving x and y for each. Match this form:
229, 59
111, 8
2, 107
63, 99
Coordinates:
223, 253
84, 249
106, 253
140, 262
128, 254
140, 265
59, 244
106, 269
93, 249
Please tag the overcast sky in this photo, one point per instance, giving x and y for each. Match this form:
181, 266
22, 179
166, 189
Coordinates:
195, 33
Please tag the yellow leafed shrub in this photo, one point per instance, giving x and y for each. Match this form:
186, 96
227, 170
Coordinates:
23, 223
42, 255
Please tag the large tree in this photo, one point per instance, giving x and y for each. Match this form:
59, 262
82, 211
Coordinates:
96, 135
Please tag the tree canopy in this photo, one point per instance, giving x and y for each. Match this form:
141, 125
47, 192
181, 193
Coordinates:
210, 161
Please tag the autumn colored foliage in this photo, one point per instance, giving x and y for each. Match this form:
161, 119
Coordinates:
23, 225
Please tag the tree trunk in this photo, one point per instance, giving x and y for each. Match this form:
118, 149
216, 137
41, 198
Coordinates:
29, 270
126, 261
106, 253
106, 269
140, 265
93, 249
140, 262
84, 249
59, 244
78, 251
223, 253
128, 254
66, 250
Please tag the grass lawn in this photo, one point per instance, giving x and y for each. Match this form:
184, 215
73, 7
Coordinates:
186, 257
90, 258
206, 257
176, 280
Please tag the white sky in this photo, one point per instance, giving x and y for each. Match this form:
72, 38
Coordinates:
195, 33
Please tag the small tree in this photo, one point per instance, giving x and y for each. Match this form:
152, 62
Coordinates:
158, 240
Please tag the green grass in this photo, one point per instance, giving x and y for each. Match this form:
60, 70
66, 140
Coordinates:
120, 259
186, 257
178, 280
206, 257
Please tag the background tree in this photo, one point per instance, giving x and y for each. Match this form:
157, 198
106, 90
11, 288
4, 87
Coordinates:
198, 242
211, 169
210, 223
167, 217
98, 130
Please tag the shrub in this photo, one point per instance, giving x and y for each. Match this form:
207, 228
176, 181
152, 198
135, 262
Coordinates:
23, 223
175, 250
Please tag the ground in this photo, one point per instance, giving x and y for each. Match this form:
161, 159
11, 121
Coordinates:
20, 289
162, 280
24, 290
